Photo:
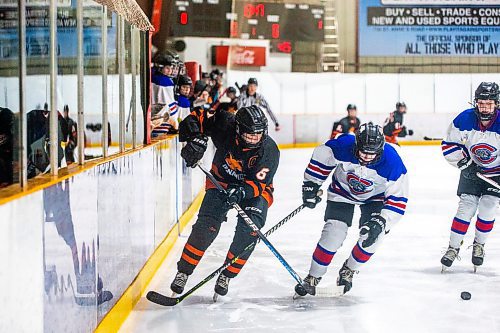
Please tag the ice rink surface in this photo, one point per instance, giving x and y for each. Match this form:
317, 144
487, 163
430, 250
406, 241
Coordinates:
401, 289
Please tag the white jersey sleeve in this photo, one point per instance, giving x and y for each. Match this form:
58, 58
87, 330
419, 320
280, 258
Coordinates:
396, 198
321, 165
453, 148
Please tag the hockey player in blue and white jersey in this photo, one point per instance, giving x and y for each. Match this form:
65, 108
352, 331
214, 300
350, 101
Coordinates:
366, 172
183, 103
472, 145
163, 93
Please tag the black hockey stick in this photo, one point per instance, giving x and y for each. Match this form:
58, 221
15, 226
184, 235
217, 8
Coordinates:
426, 138
307, 287
158, 298
488, 180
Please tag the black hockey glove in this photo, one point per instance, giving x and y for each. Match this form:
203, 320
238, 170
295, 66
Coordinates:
235, 195
193, 151
373, 228
310, 196
469, 168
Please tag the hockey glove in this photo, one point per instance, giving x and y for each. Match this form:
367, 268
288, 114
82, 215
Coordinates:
469, 168
193, 151
310, 196
373, 228
235, 195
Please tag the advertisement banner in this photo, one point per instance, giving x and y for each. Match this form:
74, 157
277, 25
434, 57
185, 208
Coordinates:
38, 32
394, 28
240, 55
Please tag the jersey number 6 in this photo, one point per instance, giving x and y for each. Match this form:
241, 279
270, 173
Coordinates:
261, 175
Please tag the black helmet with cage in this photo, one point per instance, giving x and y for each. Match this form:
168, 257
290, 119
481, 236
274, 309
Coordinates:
486, 91
250, 120
369, 140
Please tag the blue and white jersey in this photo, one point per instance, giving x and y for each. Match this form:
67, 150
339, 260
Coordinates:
466, 137
183, 106
386, 180
163, 93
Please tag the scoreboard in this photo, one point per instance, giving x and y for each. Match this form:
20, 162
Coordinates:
248, 20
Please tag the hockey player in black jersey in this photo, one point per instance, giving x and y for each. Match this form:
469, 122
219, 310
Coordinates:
245, 162
393, 126
347, 124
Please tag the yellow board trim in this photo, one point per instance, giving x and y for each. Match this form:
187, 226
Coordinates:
121, 310
14, 192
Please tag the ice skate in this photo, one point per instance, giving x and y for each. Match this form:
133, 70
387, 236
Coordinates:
345, 277
477, 255
221, 286
178, 284
309, 279
448, 258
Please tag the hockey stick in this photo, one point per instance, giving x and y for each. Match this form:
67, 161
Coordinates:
308, 288
426, 138
488, 180
158, 298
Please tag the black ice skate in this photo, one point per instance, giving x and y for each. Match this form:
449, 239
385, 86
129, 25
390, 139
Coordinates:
221, 286
345, 277
477, 254
179, 283
449, 257
309, 279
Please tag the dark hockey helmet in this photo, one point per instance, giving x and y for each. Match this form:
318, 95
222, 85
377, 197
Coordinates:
253, 80
351, 107
400, 105
184, 80
161, 60
231, 90
486, 91
369, 140
250, 120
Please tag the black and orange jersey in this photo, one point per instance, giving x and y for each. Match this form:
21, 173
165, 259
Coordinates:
345, 125
393, 127
254, 169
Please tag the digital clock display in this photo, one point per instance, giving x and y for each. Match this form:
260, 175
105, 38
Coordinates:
249, 20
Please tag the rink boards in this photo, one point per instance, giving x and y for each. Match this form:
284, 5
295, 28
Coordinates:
70, 250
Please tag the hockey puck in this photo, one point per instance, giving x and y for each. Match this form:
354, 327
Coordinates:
465, 295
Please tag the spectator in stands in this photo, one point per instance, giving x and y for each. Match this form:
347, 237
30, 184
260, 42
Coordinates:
229, 102
71, 136
347, 124
200, 95
6, 147
251, 97
216, 84
205, 77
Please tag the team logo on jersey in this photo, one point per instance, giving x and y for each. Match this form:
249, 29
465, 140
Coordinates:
484, 152
359, 185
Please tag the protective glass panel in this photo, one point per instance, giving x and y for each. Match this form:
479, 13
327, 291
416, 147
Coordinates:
9, 92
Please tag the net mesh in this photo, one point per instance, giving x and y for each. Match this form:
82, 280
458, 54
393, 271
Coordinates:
130, 11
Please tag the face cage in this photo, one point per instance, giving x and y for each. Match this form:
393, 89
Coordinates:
486, 116
362, 162
245, 144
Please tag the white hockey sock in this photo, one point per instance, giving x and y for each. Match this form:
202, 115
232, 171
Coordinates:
333, 235
486, 217
467, 207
